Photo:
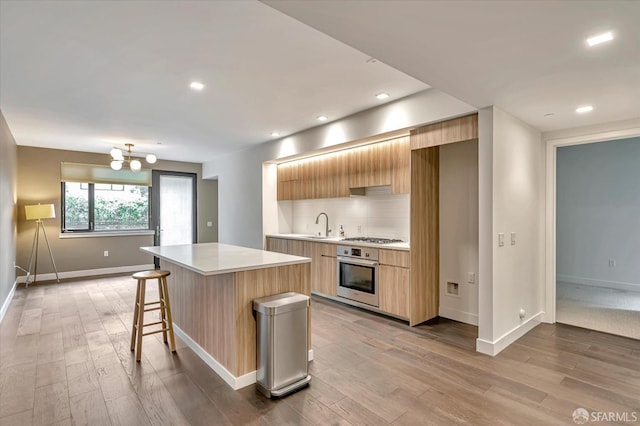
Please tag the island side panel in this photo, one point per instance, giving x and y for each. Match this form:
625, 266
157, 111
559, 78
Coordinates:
260, 283
203, 307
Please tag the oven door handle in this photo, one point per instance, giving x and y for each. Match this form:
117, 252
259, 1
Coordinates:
357, 261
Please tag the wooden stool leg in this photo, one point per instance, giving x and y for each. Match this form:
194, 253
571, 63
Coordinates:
163, 309
136, 310
140, 321
169, 319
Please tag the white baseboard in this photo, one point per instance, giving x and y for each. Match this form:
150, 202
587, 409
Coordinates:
456, 315
89, 272
7, 302
495, 347
233, 381
618, 285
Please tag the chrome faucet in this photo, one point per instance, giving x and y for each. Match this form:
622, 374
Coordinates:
326, 228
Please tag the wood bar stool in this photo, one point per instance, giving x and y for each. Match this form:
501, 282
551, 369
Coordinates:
140, 308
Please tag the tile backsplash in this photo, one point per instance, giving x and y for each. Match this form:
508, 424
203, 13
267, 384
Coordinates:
377, 214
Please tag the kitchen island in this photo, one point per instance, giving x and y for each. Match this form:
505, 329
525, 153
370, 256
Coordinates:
211, 289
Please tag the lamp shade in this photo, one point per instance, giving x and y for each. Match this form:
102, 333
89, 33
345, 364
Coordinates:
40, 211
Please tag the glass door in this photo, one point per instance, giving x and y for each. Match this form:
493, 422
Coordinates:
173, 211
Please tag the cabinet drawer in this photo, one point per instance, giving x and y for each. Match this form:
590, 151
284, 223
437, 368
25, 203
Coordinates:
394, 258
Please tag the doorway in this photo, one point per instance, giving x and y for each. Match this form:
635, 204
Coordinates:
173, 208
596, 235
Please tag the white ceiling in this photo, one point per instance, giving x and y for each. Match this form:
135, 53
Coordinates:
87, 75
527, 57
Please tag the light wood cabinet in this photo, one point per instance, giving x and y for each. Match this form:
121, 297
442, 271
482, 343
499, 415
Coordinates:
287, 178
279, 245
323, 268
394, 290
394, 258
379, 164
331, 175
358, 159
401, 166
323, 261
394, 273
394, 282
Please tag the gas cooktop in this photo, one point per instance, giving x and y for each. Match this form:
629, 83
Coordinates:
373, 240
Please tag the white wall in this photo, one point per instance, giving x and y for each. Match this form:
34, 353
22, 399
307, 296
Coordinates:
597, 212
517, 174
8, 216
378, 214
459, 230
240, 174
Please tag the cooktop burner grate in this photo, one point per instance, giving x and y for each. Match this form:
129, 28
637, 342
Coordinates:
373, 240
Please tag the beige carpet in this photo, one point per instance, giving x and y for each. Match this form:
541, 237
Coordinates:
602, 309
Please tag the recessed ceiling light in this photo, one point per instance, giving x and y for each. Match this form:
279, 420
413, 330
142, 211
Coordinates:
382, 95
600, 38
583, 109
322, 118
274, 134
196, 85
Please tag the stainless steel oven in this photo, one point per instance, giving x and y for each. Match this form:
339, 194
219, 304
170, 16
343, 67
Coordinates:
357, 274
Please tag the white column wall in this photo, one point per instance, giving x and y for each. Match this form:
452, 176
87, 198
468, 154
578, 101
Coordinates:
517, 174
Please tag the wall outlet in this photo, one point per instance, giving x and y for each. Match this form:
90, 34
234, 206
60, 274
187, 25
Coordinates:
106, 253
471, 277
522, 313
359, 229
501, 239
612, 263
210, 224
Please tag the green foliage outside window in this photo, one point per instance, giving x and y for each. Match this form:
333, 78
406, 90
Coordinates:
113, 209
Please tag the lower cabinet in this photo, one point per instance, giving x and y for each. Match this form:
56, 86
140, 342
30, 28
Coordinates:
323, 261
393, 272
394, 290
323, 268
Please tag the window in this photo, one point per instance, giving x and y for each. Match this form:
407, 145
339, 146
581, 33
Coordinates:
104, 207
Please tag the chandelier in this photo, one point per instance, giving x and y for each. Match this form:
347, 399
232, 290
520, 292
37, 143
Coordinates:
117, 159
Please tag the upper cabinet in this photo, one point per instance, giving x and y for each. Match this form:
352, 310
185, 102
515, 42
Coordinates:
331, 175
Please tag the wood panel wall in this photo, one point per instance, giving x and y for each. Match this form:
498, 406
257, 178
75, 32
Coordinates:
216, 311
257, 283
425, 242
450, 131
203, 307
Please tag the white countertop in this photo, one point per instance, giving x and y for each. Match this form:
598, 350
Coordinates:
338, 240
216, 258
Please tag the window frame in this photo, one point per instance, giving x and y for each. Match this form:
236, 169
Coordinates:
91, 221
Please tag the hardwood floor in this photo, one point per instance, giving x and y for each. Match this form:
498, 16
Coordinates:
65, 359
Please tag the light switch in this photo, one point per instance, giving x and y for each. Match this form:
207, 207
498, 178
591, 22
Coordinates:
501, 239
210, 224
471, 277
513, 238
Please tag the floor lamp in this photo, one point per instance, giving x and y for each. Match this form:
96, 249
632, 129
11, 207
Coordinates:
38, 213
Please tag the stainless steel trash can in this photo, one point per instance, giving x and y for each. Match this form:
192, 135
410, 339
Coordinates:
282, 354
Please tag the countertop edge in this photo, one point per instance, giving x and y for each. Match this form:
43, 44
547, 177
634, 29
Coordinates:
227, 270
337, 242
